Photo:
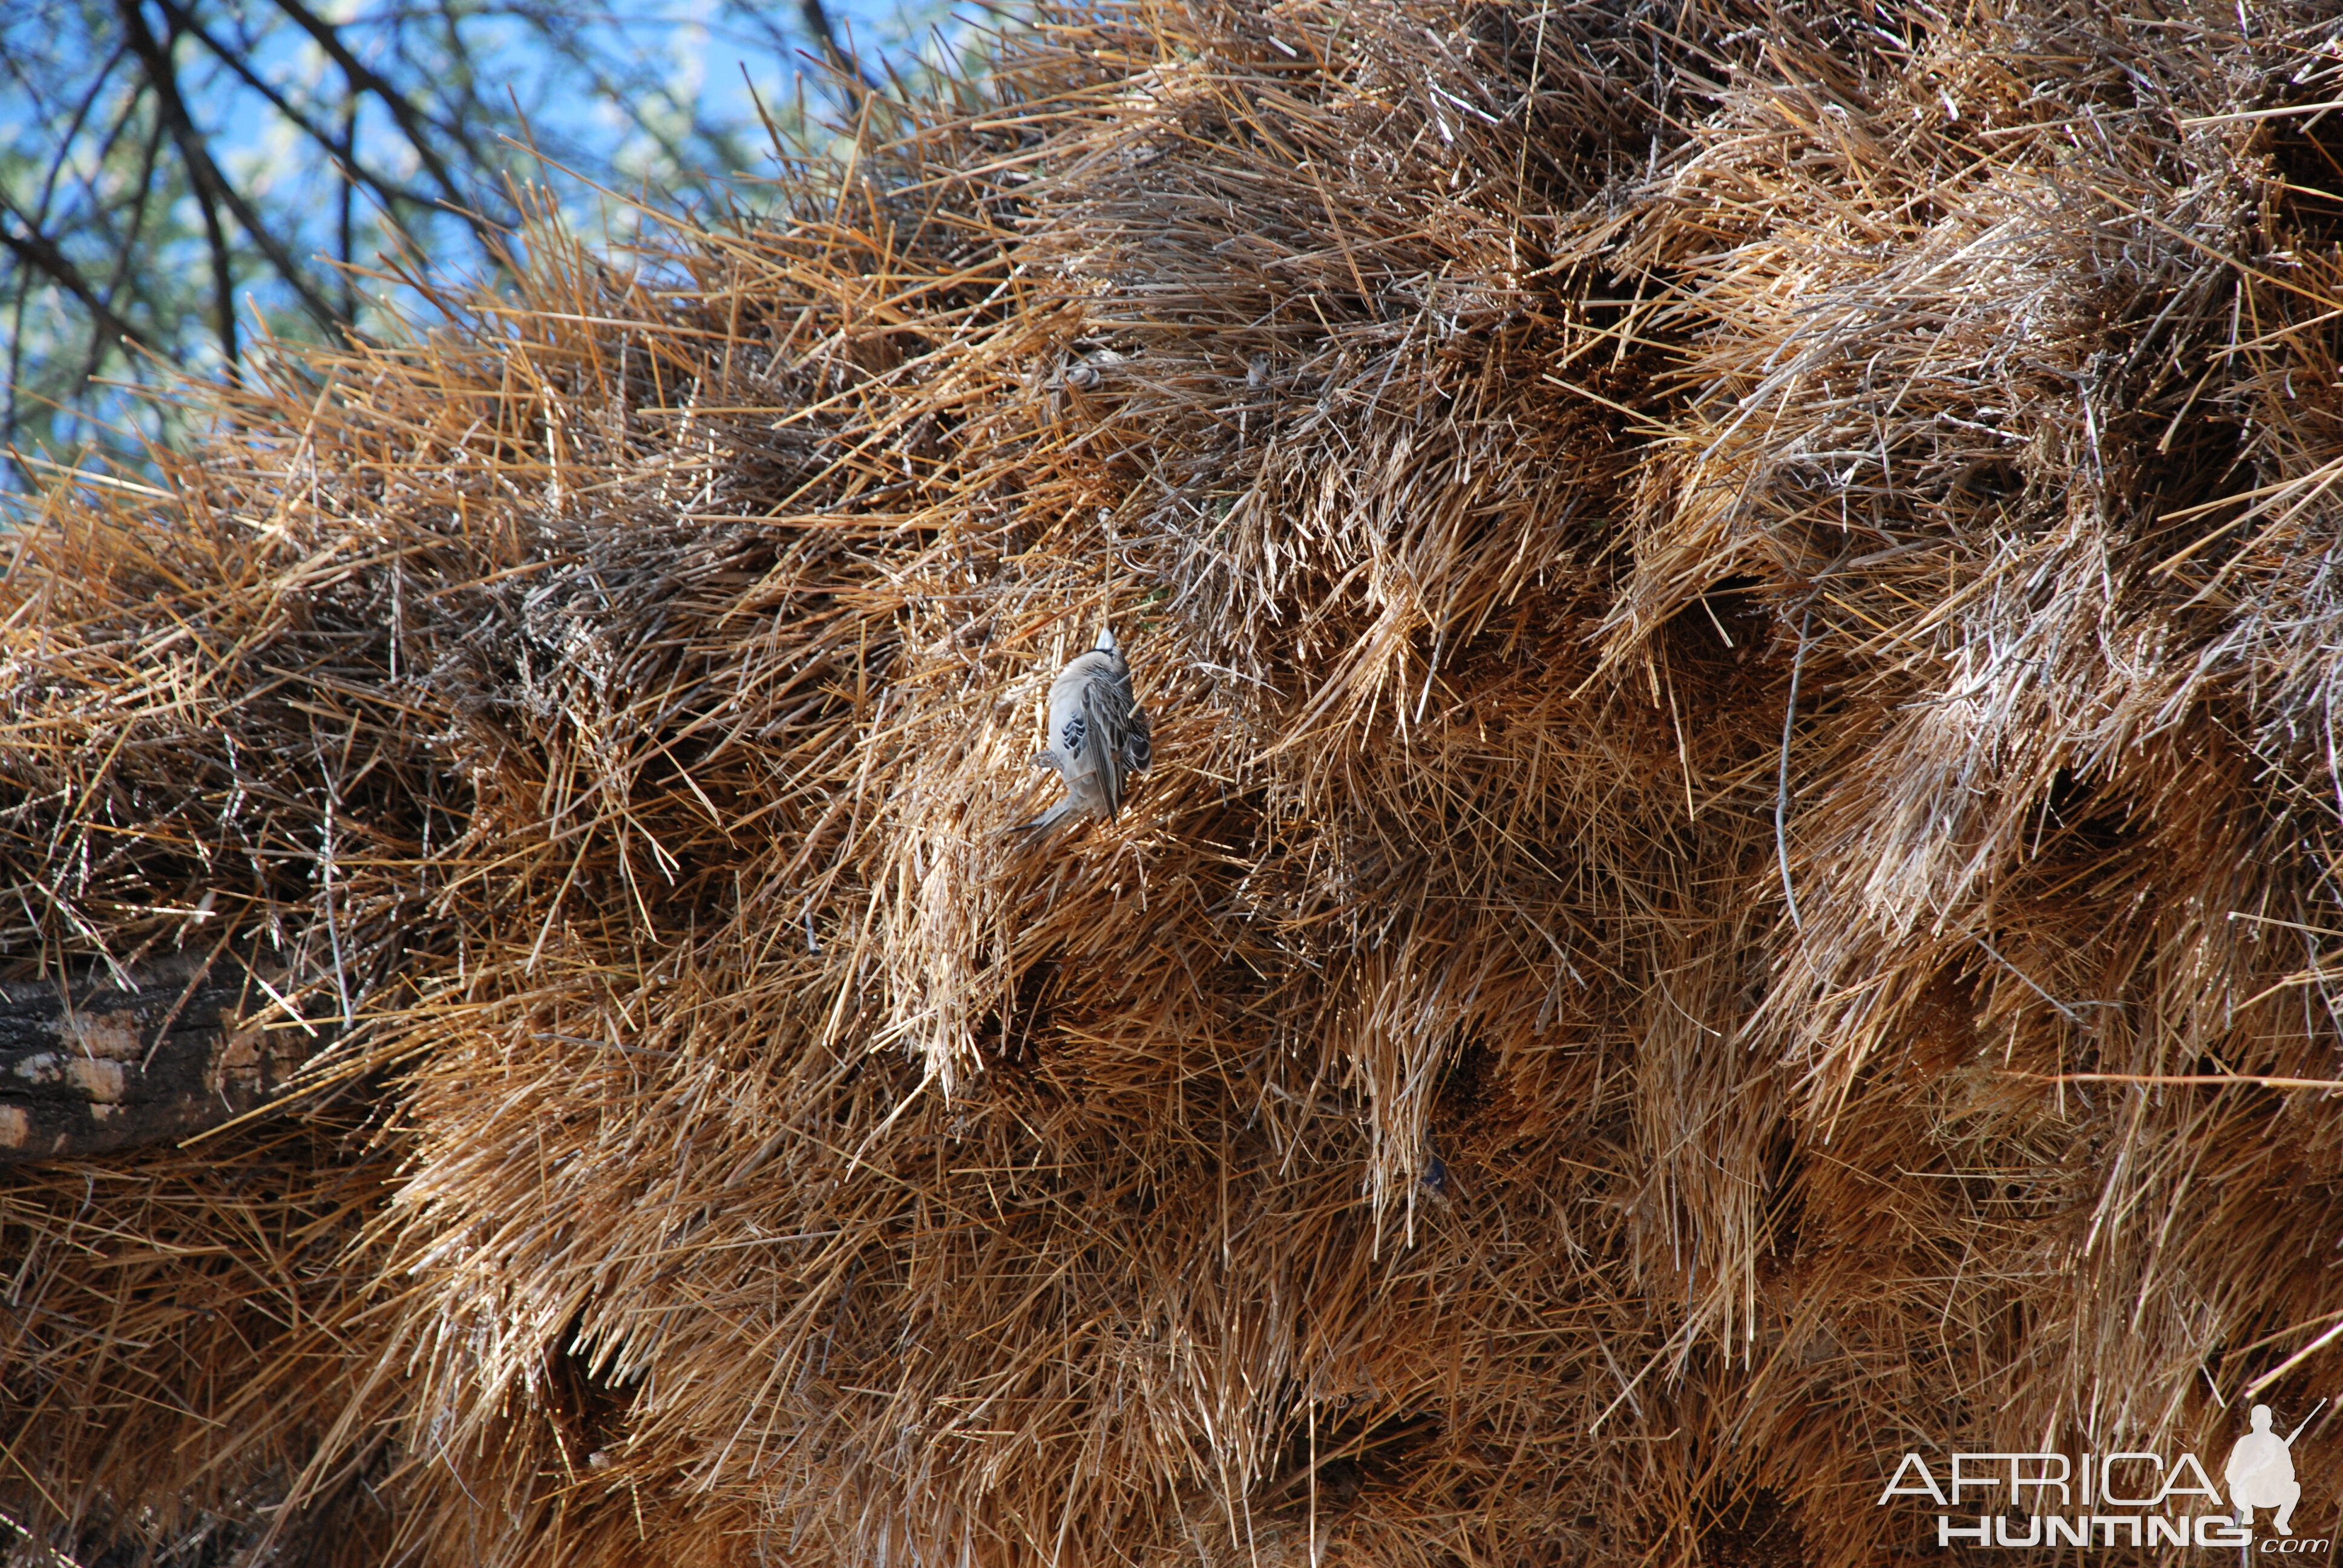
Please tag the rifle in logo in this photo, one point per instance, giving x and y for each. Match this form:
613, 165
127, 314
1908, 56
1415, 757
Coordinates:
2261, 1472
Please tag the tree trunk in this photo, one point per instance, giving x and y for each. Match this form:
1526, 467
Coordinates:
89, 1068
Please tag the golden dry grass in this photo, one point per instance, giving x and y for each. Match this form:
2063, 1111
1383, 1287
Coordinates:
1742, 614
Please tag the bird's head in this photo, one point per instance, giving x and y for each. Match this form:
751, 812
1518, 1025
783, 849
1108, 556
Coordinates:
1106, 643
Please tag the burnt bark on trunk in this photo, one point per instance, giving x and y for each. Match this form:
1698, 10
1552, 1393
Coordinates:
89, 1066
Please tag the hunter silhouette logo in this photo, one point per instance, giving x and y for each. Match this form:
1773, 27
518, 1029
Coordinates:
2261, 1472
2124, 1499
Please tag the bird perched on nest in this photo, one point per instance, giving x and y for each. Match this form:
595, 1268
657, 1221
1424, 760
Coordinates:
1098, 734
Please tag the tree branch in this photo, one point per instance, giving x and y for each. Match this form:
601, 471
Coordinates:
215, 233
410, 122
37, 250
126, 251
841, 59
186, 22
346, 197
73, 130
91, 1067
211, 186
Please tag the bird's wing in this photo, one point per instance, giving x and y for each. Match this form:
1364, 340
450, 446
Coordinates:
1138, 742
1071, 728
1106, 711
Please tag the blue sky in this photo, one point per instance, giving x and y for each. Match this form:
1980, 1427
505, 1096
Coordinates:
681, 68
708, 53
684, 68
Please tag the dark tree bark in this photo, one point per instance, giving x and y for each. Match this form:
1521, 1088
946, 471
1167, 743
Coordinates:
89, 1068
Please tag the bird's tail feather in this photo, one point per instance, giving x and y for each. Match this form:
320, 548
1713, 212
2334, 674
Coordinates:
1046, 820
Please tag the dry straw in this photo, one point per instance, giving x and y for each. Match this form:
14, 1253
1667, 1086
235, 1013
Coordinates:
1742, 609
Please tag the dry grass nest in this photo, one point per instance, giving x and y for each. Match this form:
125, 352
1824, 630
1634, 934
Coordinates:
1742, 610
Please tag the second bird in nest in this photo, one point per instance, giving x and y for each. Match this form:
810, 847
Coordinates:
1098, 734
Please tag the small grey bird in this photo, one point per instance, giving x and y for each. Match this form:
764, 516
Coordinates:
1098, 734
